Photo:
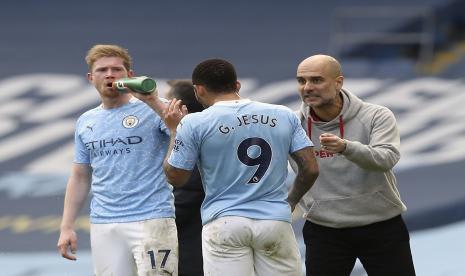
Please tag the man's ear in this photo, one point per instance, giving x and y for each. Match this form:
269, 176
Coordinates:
89, 77
200, 90
238, 86
130, 73
339, 82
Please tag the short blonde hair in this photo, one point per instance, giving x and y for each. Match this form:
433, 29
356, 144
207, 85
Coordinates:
103, 50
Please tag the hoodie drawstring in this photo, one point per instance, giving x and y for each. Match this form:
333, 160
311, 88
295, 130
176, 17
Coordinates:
341, 127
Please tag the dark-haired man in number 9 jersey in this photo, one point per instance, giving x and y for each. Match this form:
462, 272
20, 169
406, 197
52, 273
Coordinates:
241, 149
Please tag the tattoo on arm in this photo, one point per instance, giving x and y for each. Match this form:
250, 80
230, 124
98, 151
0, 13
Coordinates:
306, 175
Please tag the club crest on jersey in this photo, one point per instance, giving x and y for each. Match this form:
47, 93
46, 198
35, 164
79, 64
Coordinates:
130, 121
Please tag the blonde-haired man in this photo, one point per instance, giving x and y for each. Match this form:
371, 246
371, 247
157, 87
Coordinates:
119, 150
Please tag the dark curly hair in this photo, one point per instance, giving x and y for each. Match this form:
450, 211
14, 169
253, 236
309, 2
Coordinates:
217, 75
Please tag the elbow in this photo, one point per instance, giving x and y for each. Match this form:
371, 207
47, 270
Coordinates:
172, 176
175, 182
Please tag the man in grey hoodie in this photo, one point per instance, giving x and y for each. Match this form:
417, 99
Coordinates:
354, 208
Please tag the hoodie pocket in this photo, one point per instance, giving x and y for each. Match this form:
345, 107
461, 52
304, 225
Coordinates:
353, 211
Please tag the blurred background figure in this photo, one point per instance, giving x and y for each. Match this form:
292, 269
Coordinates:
188, 198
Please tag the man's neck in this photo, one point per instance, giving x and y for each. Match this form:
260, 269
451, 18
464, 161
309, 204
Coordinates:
114, 102
226, 97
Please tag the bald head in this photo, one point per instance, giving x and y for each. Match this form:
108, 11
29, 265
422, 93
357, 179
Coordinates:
320, 81
324, 63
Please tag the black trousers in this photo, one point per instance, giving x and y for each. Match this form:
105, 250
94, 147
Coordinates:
383, 248
189, 226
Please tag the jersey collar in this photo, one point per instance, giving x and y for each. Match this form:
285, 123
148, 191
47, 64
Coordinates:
232, 102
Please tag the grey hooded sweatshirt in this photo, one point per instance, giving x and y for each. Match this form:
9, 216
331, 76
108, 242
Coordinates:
356, 187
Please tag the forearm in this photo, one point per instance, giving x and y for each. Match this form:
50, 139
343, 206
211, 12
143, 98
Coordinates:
75, 198
77, 190
167, 168
306, 175
299, 188
157, 105
376, 157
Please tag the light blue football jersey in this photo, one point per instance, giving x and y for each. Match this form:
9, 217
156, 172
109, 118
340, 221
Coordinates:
241, 148
125, 148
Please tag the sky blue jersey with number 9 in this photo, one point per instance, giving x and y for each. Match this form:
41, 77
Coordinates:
241, 148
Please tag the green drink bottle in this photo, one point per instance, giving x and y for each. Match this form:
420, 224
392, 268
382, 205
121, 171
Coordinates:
143, 84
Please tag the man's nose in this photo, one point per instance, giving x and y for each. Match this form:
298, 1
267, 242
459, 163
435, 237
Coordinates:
109, 73
308, 86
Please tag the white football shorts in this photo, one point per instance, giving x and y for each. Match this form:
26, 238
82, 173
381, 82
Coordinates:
147, 247
233, 246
